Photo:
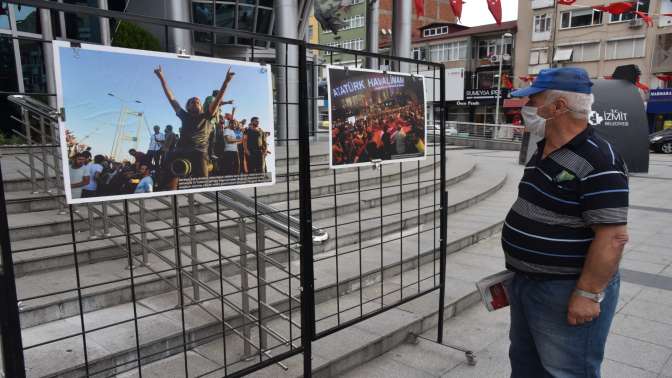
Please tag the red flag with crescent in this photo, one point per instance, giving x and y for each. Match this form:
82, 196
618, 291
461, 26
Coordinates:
456, 5
615, 8
645, 17
566, 2
495, 7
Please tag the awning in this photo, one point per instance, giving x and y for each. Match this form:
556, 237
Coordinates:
659, 107
562, 55
514, 102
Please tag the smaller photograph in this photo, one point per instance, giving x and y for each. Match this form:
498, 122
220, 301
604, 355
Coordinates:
375, 117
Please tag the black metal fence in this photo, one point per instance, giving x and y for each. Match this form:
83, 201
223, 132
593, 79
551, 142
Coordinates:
220, 284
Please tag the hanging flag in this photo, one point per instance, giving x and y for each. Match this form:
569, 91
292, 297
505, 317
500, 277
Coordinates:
526, 79
664, 77
457, 8
644, 16
495, 7
506, 81
615, 8
566, 2
420, 7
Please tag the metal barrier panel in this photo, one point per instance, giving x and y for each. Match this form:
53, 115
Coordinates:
384, 220
214, 284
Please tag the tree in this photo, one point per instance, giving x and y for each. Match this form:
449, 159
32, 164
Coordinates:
132, 36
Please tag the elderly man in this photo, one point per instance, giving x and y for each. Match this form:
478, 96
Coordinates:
564, 235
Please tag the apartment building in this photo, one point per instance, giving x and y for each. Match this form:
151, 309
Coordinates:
555, 35
472, 59
353, 36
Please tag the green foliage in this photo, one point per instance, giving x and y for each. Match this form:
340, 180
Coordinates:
132, 36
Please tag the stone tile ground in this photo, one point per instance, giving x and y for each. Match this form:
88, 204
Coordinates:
640, 341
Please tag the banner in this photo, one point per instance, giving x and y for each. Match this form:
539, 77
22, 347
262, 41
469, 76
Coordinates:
375, 116
139, 124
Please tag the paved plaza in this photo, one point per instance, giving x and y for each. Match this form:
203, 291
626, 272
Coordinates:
640, 342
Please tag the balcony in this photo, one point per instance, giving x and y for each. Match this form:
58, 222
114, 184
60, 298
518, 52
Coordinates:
545, 36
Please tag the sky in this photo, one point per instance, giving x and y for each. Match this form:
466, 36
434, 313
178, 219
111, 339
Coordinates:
88, 76
475, 12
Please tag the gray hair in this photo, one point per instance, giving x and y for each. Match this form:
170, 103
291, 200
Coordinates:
580, 104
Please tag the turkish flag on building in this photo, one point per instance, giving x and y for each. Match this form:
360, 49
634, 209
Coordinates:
664, 77
420, 7
645, 17
566, 2
615, 8
495, 7
457, 8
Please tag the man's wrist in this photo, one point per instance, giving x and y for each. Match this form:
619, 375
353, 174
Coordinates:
596, 297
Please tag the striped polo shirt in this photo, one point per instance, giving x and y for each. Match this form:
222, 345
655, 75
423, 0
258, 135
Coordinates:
548, 230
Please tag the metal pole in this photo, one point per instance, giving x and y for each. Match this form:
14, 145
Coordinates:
10, 325
143, 234
306, 233
105, 38
194, 248
43, 149
262, 289
402, 12
92, 226
443, 222
106, 226
372, 25
244, 286
286, 77
29, 142
499, 79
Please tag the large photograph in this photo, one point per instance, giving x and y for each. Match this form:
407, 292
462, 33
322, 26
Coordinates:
375, 117
140, 124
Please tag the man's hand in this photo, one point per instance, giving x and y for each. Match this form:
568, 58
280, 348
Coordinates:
229, 75
581, 310
158, 71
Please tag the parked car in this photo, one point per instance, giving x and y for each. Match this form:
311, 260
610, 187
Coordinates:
661, 141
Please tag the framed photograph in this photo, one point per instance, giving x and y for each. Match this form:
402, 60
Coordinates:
138, 124
375, 117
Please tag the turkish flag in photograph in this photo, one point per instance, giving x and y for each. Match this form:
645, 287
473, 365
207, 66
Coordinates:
495, 7
420, 7
457, 8
615, 8
566, 2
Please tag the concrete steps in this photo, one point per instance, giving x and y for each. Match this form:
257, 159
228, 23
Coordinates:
393, 269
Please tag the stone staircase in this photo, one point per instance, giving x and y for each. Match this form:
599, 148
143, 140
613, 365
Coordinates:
370, 262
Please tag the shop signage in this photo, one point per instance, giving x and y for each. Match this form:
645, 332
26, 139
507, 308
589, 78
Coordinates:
660, 94
485, 95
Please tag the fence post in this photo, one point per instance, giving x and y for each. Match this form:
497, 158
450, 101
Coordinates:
244, 285
261, 284
194, 249
143, 226
29, 142
306, 230
443, 220
10, 325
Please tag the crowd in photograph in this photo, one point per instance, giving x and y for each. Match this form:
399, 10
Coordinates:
381, 131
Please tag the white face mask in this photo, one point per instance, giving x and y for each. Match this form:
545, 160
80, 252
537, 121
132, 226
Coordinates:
534, 123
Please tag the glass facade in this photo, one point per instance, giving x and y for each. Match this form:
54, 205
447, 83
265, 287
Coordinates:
82, 28
248, 15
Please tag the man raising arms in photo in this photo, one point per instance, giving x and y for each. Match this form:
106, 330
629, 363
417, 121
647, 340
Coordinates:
196, 127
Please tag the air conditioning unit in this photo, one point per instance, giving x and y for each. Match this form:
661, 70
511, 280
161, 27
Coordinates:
636, 23
494, 59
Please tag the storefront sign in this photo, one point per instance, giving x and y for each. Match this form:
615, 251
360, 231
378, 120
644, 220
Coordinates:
486, 95
660, 94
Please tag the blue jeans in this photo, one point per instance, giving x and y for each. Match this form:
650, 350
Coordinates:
543, 344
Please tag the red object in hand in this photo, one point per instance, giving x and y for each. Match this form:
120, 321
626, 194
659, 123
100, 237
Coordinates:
495, 7
615, 8
420, 7
499, 297
566, 2
645, 17
456, 5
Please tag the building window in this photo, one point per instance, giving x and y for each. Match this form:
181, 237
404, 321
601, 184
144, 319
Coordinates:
580, 18
82, 28
448, 52
625, 48
488, 48
435, 31
539, 56
27, 19
640, 5
542, 23
419, 53
354, 44
353, 22
4, 21
32, 66
584, 52
8, 78
229, 15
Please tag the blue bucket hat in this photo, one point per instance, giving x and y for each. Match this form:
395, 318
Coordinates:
563, 79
